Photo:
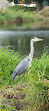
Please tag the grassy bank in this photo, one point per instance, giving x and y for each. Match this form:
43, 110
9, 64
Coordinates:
25, 15
27, 94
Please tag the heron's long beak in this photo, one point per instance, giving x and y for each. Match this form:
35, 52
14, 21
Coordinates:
36, 39
40, 39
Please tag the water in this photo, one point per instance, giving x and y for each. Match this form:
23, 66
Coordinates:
20, 41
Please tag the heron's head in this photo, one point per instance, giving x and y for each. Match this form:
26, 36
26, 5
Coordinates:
36, 39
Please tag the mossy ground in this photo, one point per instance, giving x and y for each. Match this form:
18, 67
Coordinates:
27, 94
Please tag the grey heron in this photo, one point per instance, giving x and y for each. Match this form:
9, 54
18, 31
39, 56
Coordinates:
25, 64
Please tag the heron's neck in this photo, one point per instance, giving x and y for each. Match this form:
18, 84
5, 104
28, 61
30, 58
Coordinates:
31, 51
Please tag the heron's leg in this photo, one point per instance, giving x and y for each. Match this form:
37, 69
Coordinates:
26, 76
20, 79
28, 72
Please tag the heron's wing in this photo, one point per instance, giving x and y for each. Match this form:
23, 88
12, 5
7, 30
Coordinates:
22, 66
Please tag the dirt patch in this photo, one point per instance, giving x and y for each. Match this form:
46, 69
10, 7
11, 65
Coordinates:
20, 105
14, 97
18, 97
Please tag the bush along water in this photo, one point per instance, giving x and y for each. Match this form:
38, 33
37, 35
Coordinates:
31, 92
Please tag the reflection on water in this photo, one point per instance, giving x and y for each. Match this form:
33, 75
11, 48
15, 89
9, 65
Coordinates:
20, 41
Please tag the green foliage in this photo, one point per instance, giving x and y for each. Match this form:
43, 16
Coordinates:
8, 62
27, 1
35, 85
13, 12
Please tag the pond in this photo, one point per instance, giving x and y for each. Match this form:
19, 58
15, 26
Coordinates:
20, 41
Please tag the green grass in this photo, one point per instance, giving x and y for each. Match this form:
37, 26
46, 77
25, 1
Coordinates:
7, 64
13, 12
34, 89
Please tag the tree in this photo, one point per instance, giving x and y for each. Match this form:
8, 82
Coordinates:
27, 1
39, 4
46, 2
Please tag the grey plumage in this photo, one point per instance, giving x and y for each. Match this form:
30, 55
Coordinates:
25, 64
22, 67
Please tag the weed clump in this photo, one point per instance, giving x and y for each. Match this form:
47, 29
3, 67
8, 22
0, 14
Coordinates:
45, 12
19, 21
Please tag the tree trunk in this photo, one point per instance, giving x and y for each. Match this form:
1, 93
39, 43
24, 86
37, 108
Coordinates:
40, 5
